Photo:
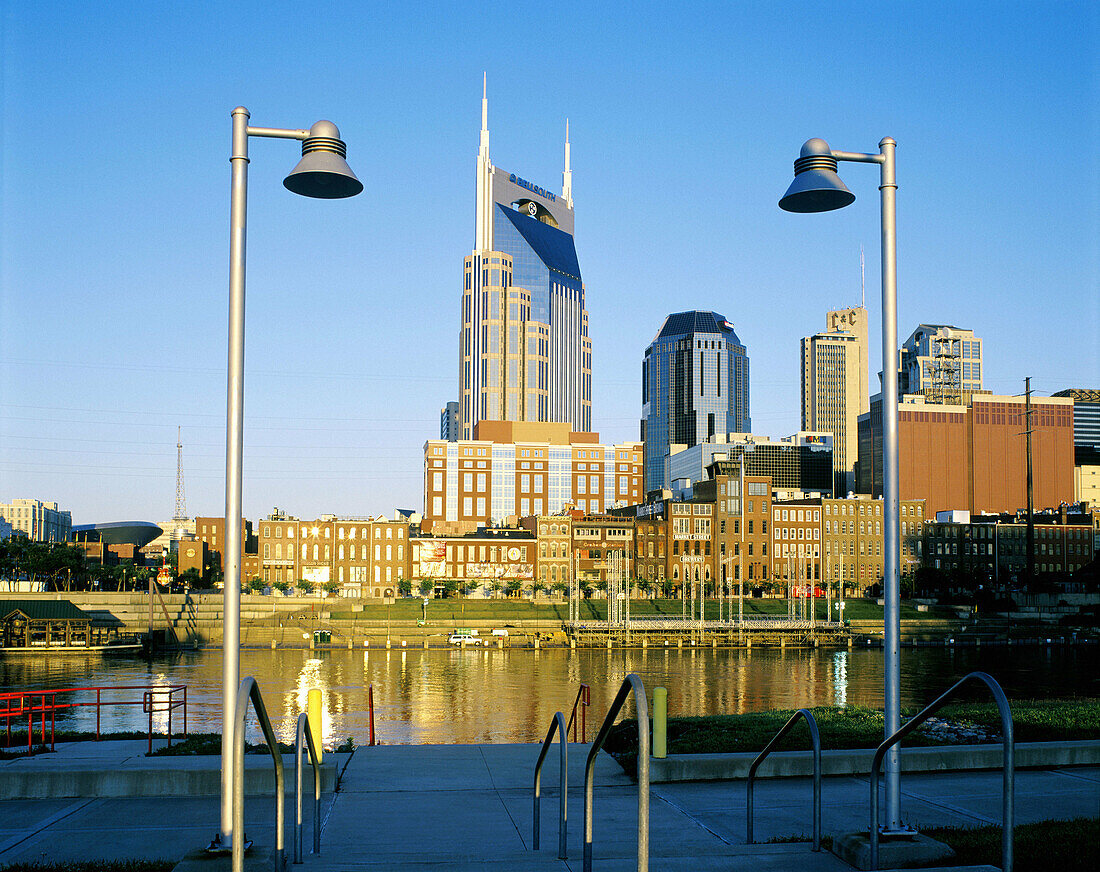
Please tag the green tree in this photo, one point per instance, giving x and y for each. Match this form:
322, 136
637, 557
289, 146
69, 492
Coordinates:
331, 587
450, 587
495, 586
281, 586
191, 580
304, 586
513, 586
644, 585
426, 586
256, 584
561, 587
404, 587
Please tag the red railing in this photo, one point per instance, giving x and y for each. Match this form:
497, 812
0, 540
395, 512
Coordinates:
370, 708
581, 702
36, 705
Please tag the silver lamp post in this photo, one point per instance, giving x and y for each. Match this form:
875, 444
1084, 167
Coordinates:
817, 188
322, 173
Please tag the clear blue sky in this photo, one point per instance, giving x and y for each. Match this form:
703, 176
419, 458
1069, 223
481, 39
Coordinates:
685, 121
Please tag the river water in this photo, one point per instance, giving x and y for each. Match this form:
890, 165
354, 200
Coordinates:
453, 696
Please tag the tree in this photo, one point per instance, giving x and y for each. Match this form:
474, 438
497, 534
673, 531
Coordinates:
281, 586
513, 587
561, 587
304, 586
332, 588
645, 586
450, 587
426, 586
256, 584
495, 586
191, 580
404, 587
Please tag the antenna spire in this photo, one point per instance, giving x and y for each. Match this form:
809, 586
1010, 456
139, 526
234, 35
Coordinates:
483, 220
862, 282
179, 520
567, 176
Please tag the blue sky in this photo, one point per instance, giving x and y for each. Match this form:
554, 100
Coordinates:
114, 215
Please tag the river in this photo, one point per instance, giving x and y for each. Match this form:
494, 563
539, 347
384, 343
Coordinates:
451, 696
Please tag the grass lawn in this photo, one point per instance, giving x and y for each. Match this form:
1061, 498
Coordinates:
857, 727
1068, 846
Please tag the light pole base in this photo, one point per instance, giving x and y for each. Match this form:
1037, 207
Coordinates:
220, 846
895, 852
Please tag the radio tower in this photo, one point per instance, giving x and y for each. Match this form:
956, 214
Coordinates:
180, 519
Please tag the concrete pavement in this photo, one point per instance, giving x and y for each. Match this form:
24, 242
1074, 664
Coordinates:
469, 807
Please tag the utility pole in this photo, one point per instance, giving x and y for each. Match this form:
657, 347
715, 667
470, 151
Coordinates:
1030, 501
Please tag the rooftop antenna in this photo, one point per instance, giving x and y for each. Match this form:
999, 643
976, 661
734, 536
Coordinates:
567, 176
862, 282
179, 520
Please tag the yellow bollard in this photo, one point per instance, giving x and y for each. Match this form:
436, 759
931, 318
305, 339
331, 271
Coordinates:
660, 721
314, 708
272, 644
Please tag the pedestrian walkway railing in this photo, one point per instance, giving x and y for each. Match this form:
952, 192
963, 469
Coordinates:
1008, 766
815, 740
306, 742
632, 684
38, 706
250, 690
584, 697
556, 726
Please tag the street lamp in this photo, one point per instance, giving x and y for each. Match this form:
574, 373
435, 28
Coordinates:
322, 173
818, 188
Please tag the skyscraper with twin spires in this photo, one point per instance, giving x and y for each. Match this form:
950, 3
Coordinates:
524, 351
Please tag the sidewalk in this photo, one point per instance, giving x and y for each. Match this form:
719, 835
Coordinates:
469, 807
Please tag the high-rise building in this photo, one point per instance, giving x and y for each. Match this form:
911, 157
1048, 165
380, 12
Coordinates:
524, 351
834, 387
695, 384
943, 363
37, 520
1086, 443
449, 427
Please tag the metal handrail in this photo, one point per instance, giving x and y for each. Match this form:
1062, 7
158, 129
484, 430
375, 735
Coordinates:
558, 726
815, 740
582, 701
631, 683
250, 690
1009, 768
305, 737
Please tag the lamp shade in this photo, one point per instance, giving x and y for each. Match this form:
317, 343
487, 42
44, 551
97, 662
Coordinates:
816, 186
322, 172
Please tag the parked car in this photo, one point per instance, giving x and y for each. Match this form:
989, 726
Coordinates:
463, 639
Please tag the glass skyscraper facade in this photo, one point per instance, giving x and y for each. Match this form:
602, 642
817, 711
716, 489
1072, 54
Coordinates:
695, 383
524, 351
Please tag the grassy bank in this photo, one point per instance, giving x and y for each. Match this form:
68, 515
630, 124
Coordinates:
455, 611
853, 727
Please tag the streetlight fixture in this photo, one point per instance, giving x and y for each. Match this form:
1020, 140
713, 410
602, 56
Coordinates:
322, 173
818, 188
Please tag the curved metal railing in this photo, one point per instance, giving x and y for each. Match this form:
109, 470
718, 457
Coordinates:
1009, 769
558, 726
305, 738
815, 740
632, 683
250, 690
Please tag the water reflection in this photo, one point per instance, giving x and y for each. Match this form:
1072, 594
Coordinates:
490, 695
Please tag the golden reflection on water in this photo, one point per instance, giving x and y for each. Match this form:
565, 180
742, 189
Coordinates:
478, 695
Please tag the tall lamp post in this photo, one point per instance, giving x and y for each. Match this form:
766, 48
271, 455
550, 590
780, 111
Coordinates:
817, 188
322, 173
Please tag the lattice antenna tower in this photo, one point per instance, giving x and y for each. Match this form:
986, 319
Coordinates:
180, 518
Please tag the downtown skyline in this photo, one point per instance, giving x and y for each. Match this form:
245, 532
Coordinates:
114, 239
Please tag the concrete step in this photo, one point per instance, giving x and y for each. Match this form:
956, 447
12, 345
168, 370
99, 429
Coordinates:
740, 858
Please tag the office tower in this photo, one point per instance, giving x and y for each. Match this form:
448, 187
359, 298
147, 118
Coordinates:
834, 387
524, 352
39, 521
1086, 443
695, 383
943, 363
449, 429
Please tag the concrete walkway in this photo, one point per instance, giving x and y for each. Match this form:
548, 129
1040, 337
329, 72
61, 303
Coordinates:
469, 807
